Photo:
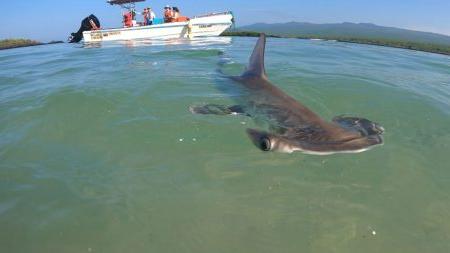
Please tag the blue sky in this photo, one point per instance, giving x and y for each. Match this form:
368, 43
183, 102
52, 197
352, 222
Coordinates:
54, 19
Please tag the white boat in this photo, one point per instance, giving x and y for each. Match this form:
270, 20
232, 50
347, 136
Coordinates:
212, 24
200, 26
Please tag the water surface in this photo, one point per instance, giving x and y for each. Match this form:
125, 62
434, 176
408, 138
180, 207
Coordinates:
99, 152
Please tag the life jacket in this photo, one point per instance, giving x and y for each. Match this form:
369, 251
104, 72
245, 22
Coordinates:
182, 19
128, 19
168, 15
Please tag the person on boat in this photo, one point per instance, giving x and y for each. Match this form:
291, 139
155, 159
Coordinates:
151, 16
168, 14
145, 16
176, 13
133, 17
127, 19
178, 17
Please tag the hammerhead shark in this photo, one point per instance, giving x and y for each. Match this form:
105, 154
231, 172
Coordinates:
293, 126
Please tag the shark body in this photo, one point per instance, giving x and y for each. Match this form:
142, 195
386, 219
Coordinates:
292, 125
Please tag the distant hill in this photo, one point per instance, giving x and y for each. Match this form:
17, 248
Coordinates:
347, 30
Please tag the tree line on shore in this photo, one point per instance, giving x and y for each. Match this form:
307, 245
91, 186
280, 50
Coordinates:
426, 47
15, 43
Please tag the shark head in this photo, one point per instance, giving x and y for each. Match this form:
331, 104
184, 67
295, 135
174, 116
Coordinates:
272, 142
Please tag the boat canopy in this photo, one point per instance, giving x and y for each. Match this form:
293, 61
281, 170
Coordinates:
126, 4
122, 2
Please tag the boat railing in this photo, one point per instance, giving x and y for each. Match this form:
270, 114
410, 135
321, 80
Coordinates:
213, 14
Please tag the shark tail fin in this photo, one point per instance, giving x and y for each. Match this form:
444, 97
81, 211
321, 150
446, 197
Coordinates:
256, 63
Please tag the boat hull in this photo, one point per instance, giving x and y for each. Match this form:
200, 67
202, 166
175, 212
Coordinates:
209, 25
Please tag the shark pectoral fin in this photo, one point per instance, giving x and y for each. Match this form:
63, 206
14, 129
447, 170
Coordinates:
362, 125
217, 109
256, 63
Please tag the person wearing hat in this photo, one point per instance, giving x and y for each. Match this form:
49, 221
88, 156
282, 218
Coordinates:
168, 14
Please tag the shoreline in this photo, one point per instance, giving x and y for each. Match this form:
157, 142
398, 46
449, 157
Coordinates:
414, 46
18, 43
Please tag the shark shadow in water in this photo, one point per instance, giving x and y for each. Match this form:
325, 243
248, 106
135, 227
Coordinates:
292, 126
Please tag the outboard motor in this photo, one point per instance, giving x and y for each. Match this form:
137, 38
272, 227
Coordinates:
88, 24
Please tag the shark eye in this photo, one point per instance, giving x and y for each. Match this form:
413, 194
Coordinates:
265, 144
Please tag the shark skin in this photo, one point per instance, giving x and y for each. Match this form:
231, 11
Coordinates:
292, 125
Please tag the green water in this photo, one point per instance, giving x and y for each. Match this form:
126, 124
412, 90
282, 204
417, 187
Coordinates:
99, 152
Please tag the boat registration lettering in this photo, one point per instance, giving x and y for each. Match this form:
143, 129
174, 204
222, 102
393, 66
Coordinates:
96, 36
106, 34
205, 26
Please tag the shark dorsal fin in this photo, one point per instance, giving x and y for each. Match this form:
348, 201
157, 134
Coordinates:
256, 63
